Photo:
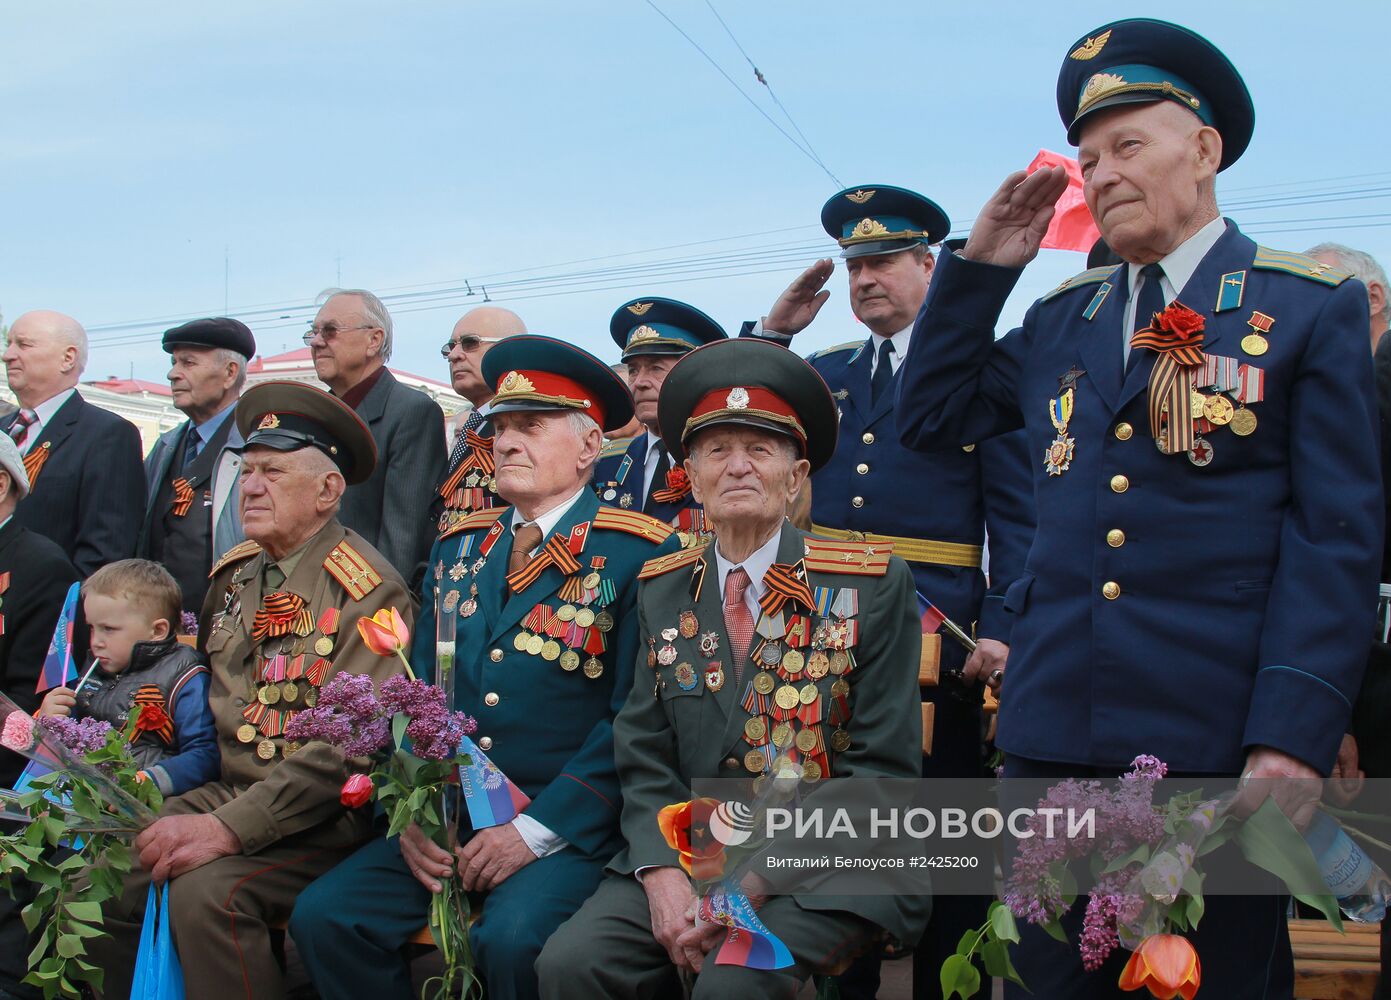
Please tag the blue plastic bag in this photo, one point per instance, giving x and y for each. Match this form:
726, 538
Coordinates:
158, 974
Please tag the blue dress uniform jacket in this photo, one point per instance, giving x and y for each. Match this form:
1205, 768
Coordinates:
1167, 608
551, 730
620, 473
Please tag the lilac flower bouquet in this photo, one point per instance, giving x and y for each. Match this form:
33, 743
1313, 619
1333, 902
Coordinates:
411, 739
75, 809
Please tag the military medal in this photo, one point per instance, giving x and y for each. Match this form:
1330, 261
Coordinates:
1201, 452
756, 730
610, 494
625, 501
753, 761
764, 683
265, 750
666, 656
811, 772
806, 741
1218, 409
714, 676
782, 735
686, 676
652, 653
569, 660
470, 603
770, 654
1254, 343
593, 667
668, 634
840, 741
586, 617
246, 733
839, 662
688, 624
1058, 458
534, 645
808, 694
786, 697
793, 662
550, 651
818, 665
289, 691
1243, 422
520, 640
567, 612
709, 643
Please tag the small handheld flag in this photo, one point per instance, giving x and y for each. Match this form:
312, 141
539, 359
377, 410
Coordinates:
58, 667
749, 942
491, 797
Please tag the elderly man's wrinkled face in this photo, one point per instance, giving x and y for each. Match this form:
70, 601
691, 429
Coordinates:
38, 362
646, 373
887, 289
539, 456
199, 380
286, 496
743, 474
1144, 167
343, 342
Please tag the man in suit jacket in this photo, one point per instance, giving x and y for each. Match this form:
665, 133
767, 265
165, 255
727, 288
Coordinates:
350, 342
34, 579
468, 483
1195, 590
654, 334
546, 642
750, 420
87, 485
191, 473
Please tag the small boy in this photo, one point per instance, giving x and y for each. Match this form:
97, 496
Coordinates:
145, 681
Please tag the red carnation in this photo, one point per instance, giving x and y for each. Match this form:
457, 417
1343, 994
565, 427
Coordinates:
1180, 321
677, 479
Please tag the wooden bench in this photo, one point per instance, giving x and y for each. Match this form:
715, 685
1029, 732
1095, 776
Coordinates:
1329, 965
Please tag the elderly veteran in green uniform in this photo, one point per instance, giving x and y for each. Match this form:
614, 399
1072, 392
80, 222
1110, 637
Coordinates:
728, 687
278, 622
546, 639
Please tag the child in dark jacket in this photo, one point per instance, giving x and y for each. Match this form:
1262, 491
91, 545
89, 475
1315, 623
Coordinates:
144, 682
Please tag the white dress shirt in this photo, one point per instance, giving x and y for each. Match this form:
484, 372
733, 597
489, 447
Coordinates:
655, 449
755, 565
542, 840
900, 342
1178, 268
43, 413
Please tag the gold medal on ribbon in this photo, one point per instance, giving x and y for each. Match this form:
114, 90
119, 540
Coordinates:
569, 660
764, 683
1218, 409
593, 668
1243, 422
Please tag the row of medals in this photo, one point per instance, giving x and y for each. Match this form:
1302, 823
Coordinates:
291, 695
1220, 412
584, 616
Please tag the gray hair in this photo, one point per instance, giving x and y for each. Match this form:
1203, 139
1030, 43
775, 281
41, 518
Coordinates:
582, 424
229, 357
373, 311
1361, 265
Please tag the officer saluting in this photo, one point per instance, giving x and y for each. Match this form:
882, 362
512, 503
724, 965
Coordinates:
654, 334
1196, 590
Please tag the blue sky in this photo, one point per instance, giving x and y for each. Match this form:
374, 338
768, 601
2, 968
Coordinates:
151, 149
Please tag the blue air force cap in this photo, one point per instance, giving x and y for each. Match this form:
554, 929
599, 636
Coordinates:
881, 218
653, 325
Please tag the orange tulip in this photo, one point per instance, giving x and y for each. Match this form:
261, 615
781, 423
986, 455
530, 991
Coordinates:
385, 633
685, 827
1166, 964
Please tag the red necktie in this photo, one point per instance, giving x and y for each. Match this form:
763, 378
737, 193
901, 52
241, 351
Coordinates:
738, 622
19, 430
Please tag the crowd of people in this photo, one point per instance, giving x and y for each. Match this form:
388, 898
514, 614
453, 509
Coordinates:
1151, 520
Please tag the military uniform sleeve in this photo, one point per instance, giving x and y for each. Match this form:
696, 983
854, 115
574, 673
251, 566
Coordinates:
886, 721
414, 458
646, 750
1323, 596
111, 499
581, 803
302, 791
1007, 488
961, 388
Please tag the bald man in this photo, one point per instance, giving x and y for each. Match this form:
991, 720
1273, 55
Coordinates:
87, 482
468, 481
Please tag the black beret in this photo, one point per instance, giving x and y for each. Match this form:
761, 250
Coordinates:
221, 331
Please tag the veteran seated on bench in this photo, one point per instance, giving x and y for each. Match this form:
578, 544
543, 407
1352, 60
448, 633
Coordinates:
751, 420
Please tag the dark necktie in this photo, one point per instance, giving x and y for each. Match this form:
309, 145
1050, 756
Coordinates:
883, 372
19, 430
456, 454
1150, 302
659, 477
191, 448
524, 539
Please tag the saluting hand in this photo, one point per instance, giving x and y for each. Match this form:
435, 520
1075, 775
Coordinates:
1013, 222
799, 303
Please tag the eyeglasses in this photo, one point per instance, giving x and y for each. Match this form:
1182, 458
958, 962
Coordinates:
330, 330
467, 344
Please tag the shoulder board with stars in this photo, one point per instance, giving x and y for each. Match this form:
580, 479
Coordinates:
237, 553
665, 564
615, 447
826, 351
634, 523
1090, 277
1298, 264
346, 565
475, 520
855, 558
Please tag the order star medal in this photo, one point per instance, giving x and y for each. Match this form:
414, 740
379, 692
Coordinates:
1058, 458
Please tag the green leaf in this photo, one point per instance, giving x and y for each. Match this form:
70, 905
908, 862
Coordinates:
968, 942
1002, 923
69, 946
87, 912
959, 976
84, 930
399, 722
995, 955
1140, 856
1196, 906
1055, 931
1269, 840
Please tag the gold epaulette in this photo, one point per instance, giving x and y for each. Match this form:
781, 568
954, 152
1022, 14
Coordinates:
346, 565
667, 563
855, 558
1089, 277
475, 520
236, 553
615, 447
1298, 264
847, 346
634, 523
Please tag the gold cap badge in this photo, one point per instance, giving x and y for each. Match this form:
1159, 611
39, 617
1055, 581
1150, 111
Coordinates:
269, 422
738, 398
642, 333
1090, 48
860, 197
516, 382
639, 308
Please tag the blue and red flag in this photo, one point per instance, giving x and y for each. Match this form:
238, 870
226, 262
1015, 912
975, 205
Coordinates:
749, 942
491, 797
58, 668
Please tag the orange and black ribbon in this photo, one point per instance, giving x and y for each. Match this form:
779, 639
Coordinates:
1170, 400
785, 583
556, 552
34, 462
149, 715
183, 497
280, 614
678, 487
478, 456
